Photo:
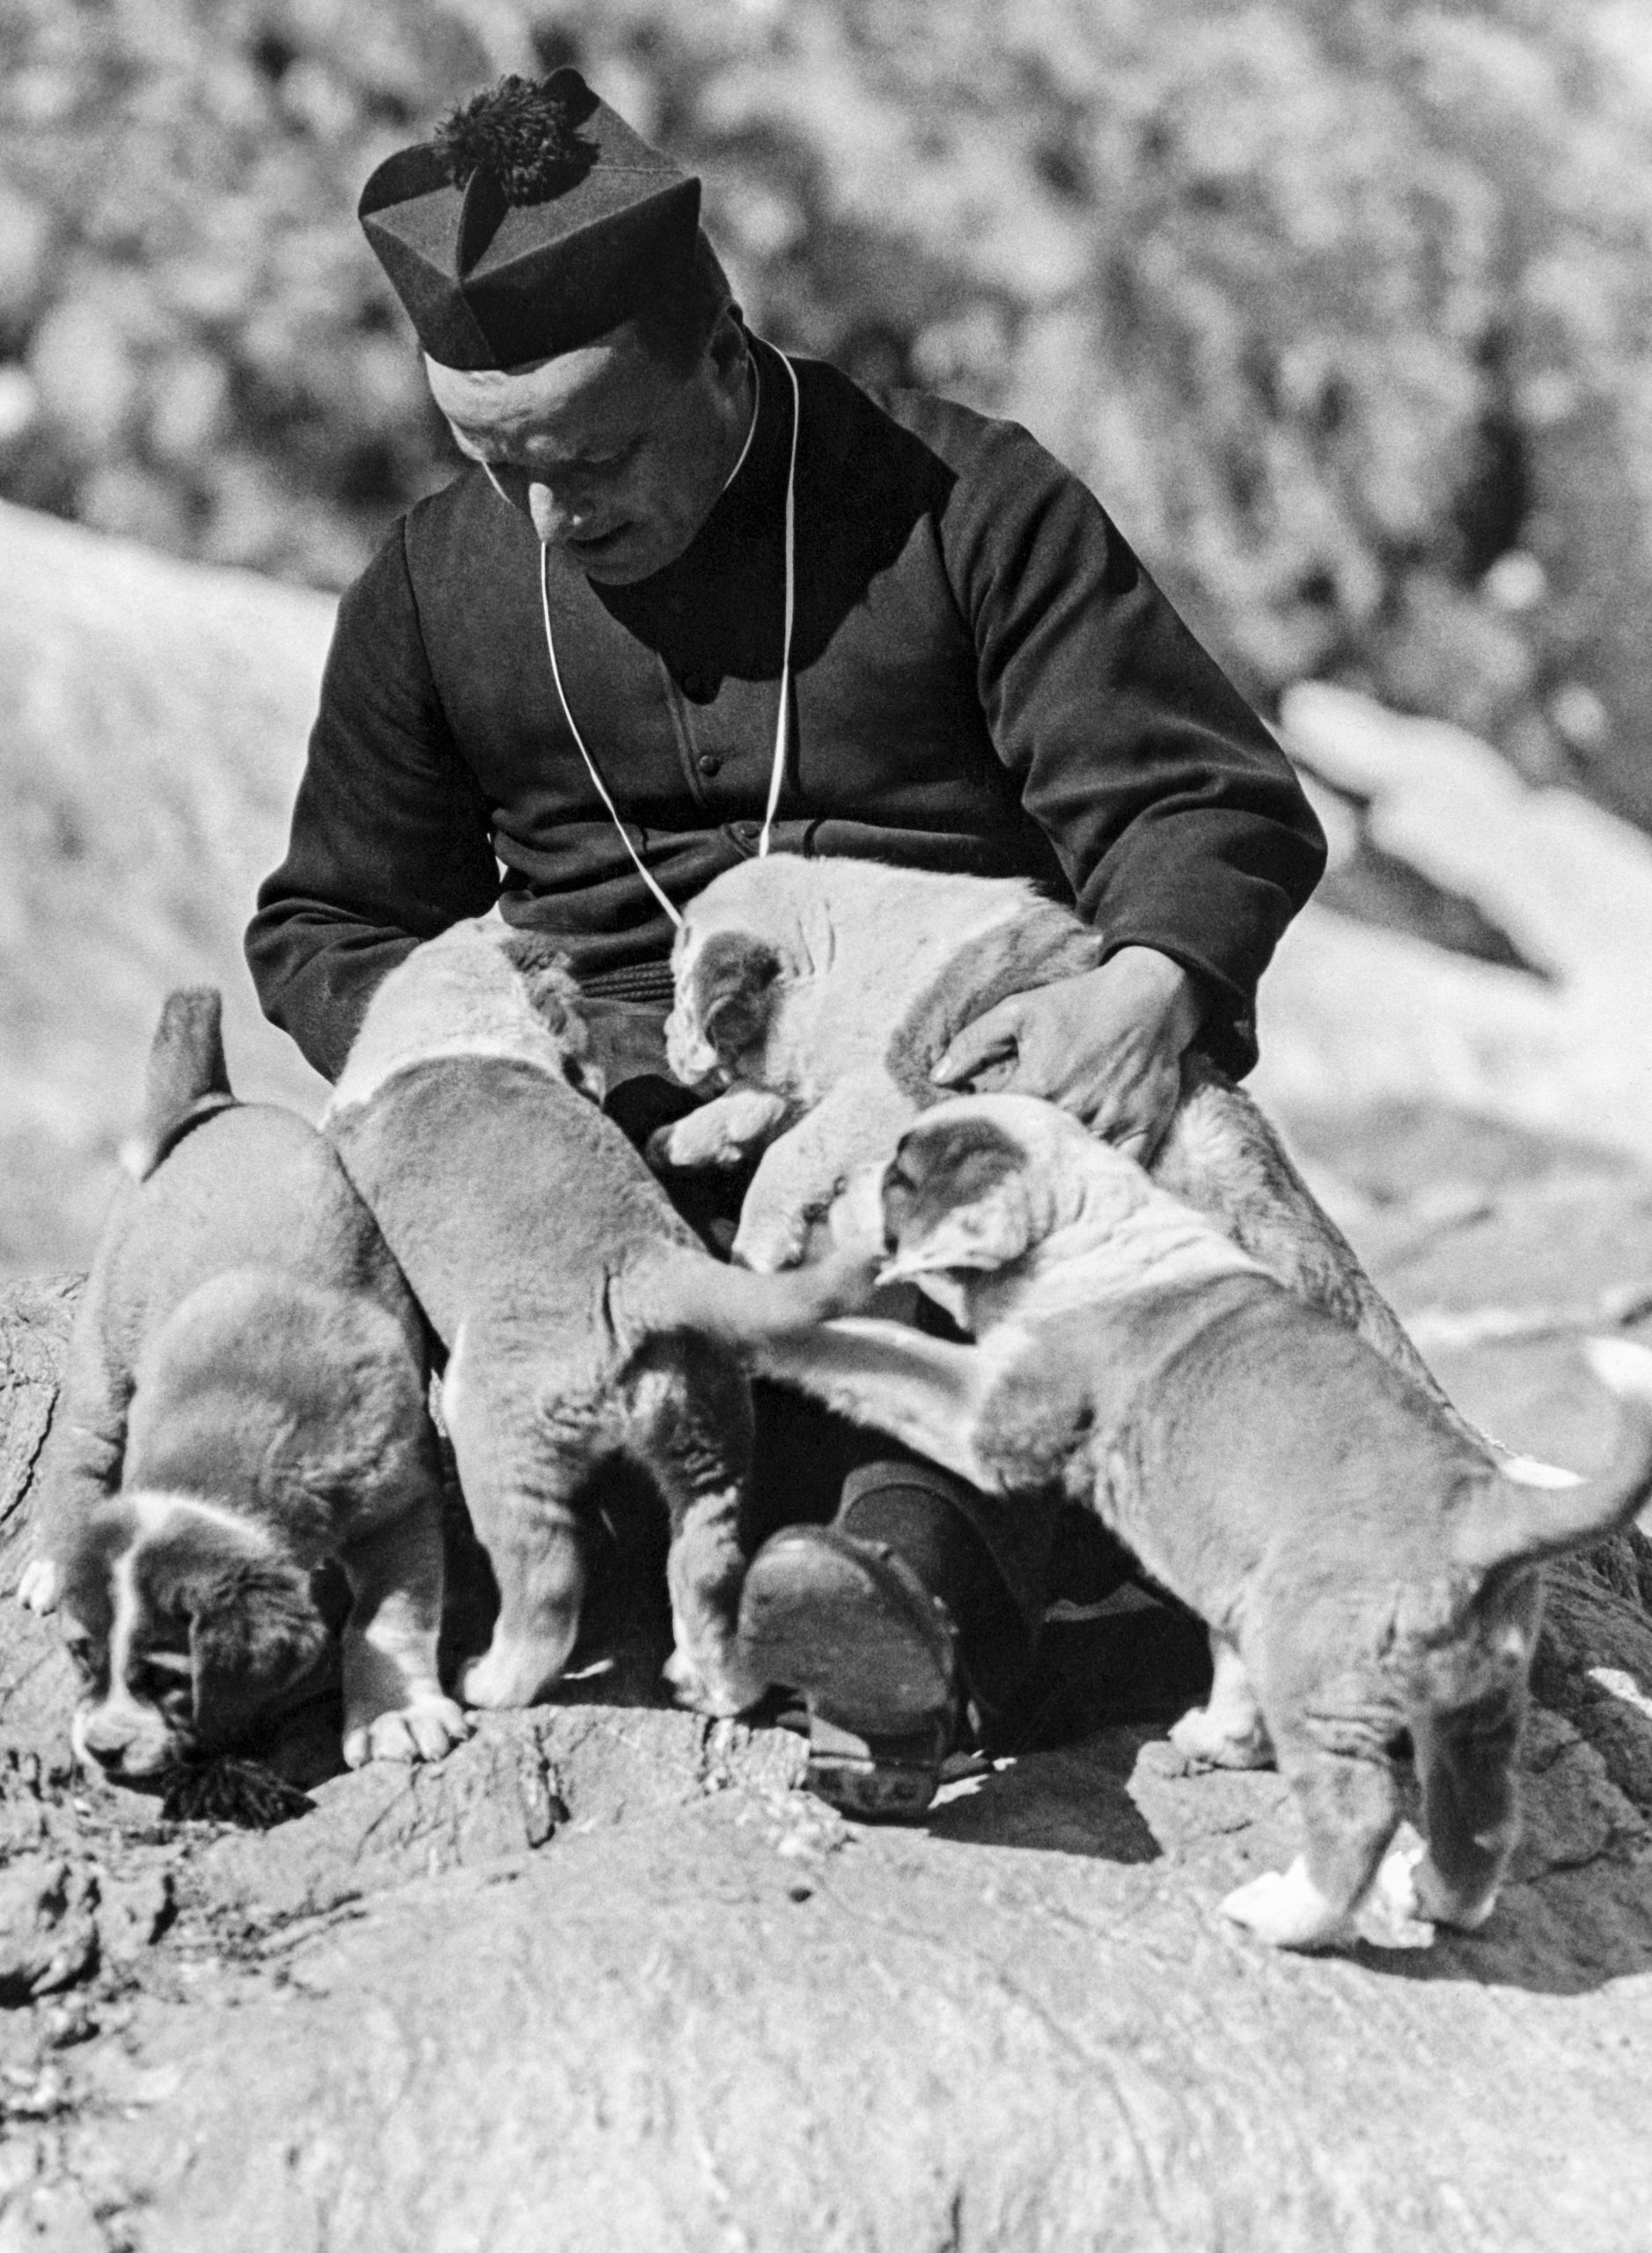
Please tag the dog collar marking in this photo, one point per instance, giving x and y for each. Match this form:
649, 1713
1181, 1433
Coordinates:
777, 772
208, 1106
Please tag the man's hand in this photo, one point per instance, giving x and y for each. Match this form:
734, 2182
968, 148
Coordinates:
1106, 1045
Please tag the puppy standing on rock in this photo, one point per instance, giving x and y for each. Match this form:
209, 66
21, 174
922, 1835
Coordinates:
584, 1320
1367, 1570
243, 1400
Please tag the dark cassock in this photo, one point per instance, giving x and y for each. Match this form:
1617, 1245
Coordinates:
965, 667
984, 679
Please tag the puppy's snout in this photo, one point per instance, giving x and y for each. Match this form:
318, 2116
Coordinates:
123, 1743
103, 1744
690, 1055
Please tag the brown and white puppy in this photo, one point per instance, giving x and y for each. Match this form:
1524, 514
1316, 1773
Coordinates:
1368, 1572
583, 1319
243, 1401
819, 994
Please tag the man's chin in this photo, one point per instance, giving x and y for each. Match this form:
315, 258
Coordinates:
623, 568
615, 574
634, 554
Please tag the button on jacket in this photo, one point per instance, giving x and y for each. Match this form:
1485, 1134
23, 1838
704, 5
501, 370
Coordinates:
984, 679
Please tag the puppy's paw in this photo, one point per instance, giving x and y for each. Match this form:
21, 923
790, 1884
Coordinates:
771, 1243
658, 1150
1442, 1906
847, 1279
1287, 1910
722, 1688
1394, 1893
38, 1589
1390, 1916
509, 1674
722, 1133
1206, 1741
856, 1213
1409, 1888
424, 1730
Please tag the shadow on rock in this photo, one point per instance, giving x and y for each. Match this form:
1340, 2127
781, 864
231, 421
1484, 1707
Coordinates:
1572, 1934
1577, 1910
1069, 1802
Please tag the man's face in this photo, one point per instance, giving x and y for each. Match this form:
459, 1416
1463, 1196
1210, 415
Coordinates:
614, 456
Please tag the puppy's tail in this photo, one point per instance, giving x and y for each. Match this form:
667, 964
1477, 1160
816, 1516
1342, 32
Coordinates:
187, 1079
1513, 1522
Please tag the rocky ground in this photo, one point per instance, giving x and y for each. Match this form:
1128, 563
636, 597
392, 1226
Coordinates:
608, 1978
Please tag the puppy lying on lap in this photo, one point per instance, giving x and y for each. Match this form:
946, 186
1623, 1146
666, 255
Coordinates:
243, 1401
1367, 1570
819, 994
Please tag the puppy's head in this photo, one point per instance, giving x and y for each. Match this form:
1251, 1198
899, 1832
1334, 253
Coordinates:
187, 1626
729, 985
980, 1181
956, 1195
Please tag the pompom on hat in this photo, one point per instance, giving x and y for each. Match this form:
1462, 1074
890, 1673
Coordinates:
532, 222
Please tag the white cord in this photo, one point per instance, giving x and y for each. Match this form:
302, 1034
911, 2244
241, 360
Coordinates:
777, 773
643, 868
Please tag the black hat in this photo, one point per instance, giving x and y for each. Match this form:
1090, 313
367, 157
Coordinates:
534, 221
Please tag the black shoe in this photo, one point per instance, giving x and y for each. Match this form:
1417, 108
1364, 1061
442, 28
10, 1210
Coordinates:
848, 1625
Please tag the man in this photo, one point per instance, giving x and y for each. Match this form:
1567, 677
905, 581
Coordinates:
693, 599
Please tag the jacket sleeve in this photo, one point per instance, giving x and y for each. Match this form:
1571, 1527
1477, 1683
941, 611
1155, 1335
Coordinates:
390, 839
1178, 819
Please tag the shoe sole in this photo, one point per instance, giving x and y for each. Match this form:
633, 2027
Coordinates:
878, 1778
855, 1633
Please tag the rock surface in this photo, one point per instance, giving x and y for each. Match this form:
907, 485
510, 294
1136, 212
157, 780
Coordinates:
151, 733
608, 1978
1541, 1018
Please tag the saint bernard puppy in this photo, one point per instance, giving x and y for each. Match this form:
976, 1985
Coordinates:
584, 1320
819, 994
1369, 1571
245, 1400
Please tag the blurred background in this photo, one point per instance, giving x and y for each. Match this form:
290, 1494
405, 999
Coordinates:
1343, 306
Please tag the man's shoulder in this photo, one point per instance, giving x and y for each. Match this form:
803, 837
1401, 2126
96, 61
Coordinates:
975, 473
453, 529
966, 439
441, 522
452, 540
966, 436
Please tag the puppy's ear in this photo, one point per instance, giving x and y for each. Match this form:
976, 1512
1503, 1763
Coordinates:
956, 1197
736, 981
537, 956
85, 1553
254, 1631
554, 994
